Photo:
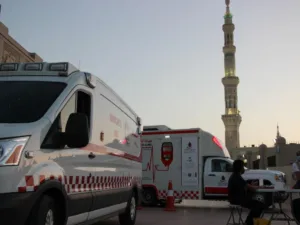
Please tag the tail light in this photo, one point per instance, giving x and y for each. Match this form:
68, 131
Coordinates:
216, 141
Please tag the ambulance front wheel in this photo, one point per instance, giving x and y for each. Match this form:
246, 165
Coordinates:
149, 197
46, 212
129, 216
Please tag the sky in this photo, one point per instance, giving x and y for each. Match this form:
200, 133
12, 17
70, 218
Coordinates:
164, 57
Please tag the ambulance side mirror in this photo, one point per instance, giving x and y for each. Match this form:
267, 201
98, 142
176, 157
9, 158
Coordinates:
77, 131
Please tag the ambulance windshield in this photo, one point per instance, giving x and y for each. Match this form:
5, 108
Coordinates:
27, 101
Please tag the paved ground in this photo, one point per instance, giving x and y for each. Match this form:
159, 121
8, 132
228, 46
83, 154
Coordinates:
183, 216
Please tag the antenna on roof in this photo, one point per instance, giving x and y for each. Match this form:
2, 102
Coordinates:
79, 65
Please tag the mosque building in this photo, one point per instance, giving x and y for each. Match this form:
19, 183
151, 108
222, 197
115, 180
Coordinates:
282, 153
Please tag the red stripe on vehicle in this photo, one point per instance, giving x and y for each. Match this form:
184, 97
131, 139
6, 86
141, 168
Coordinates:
29, 180
103, 150
216, 190
170, 132
135, 135
22, 189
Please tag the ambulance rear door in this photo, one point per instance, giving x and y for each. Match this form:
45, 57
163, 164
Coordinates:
190, 170
147, 159
167, 164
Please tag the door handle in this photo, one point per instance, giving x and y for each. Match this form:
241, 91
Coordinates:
211, 175
92, 155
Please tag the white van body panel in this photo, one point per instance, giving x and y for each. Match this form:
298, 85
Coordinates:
93, 187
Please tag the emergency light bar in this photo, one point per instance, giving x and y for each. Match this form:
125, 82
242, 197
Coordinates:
38, 69
9, 66
33, 66
58, 67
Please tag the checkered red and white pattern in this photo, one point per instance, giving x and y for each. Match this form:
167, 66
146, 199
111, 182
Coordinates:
74, 184
164, 193
31, 183
190, 194
179, 194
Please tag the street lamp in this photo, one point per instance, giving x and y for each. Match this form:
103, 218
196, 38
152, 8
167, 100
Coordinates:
258, 157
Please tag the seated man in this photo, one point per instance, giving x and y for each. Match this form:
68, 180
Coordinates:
239, 193
296, 171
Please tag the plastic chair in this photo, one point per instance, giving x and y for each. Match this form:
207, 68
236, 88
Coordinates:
235, 210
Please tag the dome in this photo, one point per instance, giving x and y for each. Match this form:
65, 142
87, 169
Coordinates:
262, 146
280, 140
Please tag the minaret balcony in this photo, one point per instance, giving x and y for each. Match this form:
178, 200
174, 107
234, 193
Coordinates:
230, 80
232, 120
229, 49
228, 27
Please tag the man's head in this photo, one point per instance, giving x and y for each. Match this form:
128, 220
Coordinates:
238, 166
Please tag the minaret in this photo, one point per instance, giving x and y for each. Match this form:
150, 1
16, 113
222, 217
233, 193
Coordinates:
278, 133
231, 118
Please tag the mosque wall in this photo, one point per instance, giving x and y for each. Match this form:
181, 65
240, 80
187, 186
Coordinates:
12, 51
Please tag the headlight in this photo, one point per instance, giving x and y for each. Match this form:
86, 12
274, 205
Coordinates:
279, 177
11, 150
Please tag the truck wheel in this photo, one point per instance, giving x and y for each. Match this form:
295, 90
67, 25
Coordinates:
150, 198
129, 216
264, 198
45, 212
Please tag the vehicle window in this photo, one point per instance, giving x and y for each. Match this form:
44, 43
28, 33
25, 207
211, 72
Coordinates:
27, 101
69, 108
79, 102
219, 165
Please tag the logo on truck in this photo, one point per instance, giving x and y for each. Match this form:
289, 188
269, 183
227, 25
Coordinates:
167, 153
189, 148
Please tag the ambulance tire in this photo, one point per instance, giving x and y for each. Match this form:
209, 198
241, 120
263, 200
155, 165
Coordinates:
129, 216
150, 198
45, 209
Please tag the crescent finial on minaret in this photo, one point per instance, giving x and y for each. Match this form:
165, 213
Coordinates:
227, 2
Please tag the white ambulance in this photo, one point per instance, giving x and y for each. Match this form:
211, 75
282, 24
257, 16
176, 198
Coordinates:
197, 163
69, 148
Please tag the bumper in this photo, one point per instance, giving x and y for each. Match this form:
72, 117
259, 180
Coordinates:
15, 208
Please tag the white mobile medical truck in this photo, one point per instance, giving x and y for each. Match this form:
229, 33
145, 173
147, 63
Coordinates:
197, 163
69, 148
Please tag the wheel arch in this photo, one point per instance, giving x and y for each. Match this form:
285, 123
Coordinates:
151, 186
54, 189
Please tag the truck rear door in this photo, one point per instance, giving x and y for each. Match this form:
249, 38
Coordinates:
217, 171
190, 167
147, 153
167, 165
